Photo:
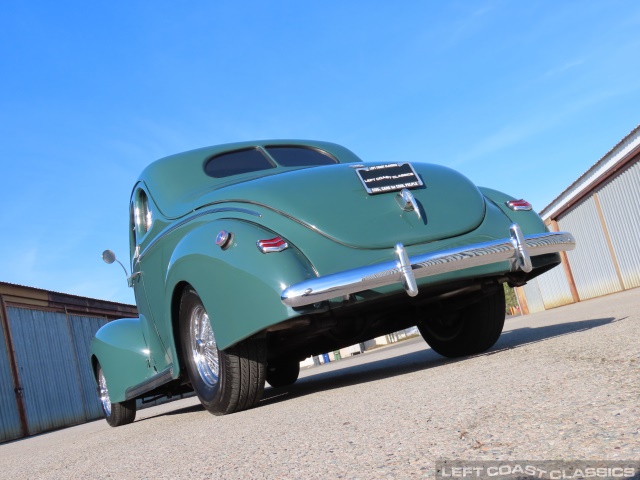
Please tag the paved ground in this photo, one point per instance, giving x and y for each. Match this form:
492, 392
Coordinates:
562, 384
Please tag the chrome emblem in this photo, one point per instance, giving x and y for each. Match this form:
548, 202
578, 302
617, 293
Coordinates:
223, 239
408, 202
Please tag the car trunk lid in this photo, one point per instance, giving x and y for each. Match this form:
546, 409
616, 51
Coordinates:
333, 201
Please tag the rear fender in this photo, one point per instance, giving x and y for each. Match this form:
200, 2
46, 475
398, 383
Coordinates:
529, 221
120, 348
239, 286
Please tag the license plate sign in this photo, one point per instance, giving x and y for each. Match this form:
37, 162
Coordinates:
389, 177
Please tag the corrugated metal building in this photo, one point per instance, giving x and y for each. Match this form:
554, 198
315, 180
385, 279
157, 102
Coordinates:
602, 210
46, 379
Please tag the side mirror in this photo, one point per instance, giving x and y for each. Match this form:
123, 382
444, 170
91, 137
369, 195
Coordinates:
109, 257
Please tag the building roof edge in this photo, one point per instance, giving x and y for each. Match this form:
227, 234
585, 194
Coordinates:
610, 161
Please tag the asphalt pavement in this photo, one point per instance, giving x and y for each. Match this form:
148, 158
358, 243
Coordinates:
560, 384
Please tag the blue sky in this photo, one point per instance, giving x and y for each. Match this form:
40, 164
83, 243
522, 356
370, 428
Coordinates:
519, 96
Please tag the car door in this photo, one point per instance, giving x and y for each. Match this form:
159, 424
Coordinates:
141, 236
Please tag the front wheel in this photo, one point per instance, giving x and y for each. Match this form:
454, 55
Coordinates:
117, 413
473, 329
226, 381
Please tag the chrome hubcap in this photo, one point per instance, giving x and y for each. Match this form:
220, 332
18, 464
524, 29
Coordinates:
204, 350
104, 394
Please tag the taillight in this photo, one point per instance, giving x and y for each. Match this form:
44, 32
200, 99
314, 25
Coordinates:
271, 245
519, 205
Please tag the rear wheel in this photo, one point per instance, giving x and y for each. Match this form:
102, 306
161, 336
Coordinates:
473, 329
283, 372
225, 381
117, 413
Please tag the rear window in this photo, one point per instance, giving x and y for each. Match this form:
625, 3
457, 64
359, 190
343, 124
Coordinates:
235, 163
300, 156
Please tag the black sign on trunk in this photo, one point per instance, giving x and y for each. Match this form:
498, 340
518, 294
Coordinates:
390, 177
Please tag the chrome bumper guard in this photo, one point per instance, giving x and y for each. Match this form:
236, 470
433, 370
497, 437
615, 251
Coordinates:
517, 249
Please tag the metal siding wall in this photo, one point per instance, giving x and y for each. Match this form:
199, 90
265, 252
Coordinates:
620, 204
82, 330
590, 262
9, 417
47, 368
554, 288
534, 298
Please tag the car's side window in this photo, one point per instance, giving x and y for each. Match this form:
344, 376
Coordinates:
142, 217
293, 156
132, 227
237, 162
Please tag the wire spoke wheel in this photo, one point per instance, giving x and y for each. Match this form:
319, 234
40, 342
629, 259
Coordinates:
116, 413
204, 350
225, 381
103, 393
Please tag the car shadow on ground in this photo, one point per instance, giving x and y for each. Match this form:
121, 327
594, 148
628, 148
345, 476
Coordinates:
408, 363
420, 360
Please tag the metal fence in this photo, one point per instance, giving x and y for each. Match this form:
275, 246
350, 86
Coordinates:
606, 225
46, 377
56, 385
620, 204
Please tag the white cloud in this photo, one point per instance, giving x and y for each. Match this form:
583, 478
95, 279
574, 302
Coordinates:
563, 68
534, 124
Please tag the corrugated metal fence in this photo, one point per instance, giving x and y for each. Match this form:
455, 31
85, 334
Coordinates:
591, 261
620, 204
606, 225
51, 350
9, 415
607, 228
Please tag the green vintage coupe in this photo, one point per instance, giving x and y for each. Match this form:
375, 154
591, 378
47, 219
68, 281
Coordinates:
248, 258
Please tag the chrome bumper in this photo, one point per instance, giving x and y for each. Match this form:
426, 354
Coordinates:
517, 249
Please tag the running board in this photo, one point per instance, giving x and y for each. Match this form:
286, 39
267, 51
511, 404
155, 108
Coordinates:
149, 384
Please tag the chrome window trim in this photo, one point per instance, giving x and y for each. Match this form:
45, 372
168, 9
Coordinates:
142, 216
257, 148
301, 147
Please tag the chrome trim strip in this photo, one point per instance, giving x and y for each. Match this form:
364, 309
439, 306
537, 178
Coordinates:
290, 217
193, 217
517, 249
160, 378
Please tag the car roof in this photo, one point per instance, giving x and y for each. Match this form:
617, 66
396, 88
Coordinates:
176, 182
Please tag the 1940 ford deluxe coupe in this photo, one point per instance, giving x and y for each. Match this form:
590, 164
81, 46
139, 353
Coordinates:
248, 258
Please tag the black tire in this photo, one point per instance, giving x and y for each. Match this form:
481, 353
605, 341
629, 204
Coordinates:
474, 329
118, 413
225, 381
282, 373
